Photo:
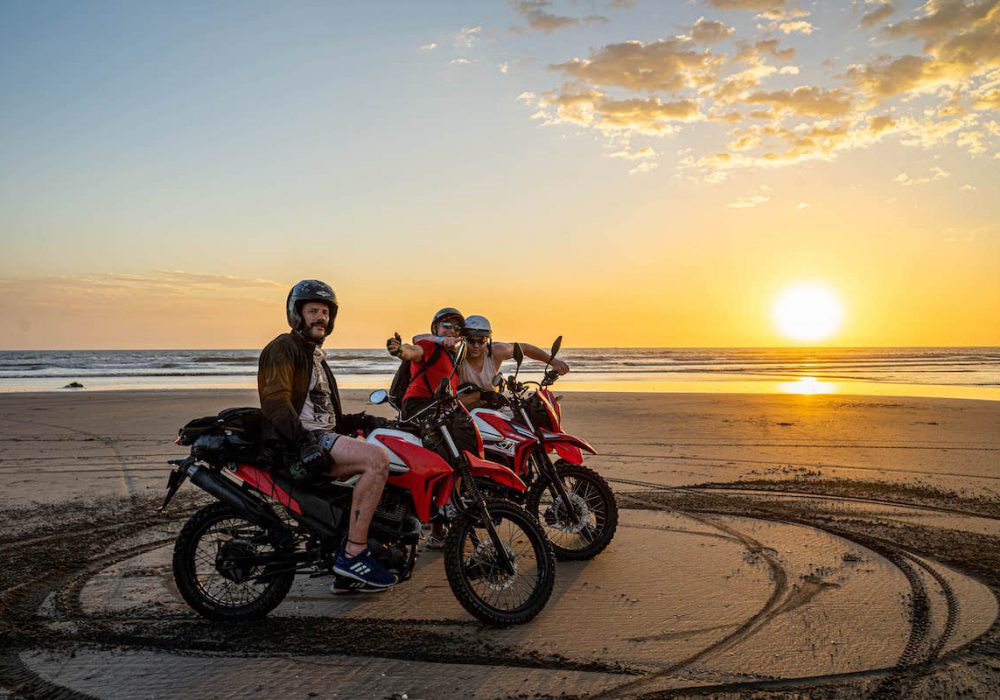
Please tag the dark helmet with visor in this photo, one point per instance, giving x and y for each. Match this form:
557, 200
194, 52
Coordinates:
306, 291
445, 313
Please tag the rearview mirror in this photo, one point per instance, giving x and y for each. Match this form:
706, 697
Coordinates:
378, 396
498, 381
555, 346
518, 354
460, 353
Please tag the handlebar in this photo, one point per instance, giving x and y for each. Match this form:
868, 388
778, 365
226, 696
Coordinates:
516, 388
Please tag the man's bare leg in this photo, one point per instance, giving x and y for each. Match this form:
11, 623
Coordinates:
372, 464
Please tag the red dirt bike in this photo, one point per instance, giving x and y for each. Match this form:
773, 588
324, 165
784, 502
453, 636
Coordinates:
574, 504
236, 558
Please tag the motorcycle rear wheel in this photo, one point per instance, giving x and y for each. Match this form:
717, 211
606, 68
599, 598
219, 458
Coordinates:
587, 535
207, 567
488, 593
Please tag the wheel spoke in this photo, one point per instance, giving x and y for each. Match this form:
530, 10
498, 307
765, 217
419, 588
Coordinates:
245, 540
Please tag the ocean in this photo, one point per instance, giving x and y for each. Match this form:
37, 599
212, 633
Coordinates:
969, 372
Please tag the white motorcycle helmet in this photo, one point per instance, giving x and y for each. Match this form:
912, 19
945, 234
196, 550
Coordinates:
477, 326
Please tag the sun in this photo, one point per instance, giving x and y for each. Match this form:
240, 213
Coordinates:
807, 312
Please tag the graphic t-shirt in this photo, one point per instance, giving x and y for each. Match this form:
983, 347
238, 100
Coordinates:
443, 367
317, 412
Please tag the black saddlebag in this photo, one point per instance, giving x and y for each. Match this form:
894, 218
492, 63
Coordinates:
235, 435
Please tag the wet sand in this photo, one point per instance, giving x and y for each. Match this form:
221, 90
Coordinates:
828, 546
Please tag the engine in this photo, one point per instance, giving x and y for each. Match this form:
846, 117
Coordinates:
394, 519
397, 531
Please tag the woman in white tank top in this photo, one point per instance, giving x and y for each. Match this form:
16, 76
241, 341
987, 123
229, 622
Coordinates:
484, 357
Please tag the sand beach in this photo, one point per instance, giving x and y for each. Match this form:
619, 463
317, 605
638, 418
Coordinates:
827, 546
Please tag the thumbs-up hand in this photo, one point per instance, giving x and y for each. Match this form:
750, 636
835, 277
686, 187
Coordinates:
393, 344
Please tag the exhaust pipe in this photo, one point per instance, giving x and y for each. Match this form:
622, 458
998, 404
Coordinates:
228, 493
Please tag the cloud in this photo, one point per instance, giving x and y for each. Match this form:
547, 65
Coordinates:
643, 168
706, 31
961, 44
666, 65
940, 21
539, 18
748, 202
759, 50
623, 4
806, 101
971, 141
736, 87
467, 37
783, 146
187, 278
642, 154
504, 67
884, 11
968, 188
593, 108
987, 98
887, 76
943, 94
936, 174
752, 5
429, 47
171, 283
802, 205
797, 27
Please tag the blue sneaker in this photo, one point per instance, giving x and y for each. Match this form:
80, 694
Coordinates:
363, 567
342, 585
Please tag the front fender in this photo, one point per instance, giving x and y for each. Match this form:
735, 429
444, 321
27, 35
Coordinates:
494, 472
568, 447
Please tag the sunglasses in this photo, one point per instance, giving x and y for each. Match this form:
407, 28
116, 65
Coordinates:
477, 341
451, 326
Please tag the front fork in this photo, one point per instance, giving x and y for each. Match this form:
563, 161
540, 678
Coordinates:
547, 470
503, 557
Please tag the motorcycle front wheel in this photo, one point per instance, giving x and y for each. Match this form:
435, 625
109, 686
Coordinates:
215, 568
589, 528
492, 594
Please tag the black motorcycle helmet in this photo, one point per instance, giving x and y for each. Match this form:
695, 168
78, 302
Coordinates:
445, 313
305, 291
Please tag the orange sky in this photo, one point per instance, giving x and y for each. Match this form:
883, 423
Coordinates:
648, 174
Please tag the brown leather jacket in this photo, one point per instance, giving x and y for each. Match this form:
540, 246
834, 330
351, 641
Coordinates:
283, 375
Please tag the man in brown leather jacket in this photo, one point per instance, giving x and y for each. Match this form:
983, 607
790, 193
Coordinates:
300, 400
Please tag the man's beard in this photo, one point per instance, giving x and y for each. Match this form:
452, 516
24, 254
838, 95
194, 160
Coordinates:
313, 331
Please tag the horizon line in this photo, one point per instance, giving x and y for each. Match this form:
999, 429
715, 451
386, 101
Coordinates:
565, 347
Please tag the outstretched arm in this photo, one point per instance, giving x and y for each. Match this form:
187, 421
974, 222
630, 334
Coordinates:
505, 351
397, 348
444, 340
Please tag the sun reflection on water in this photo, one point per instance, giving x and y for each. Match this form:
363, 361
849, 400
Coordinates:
808, 385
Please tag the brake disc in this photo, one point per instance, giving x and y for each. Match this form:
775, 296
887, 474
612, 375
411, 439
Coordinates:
483, 561
557, 515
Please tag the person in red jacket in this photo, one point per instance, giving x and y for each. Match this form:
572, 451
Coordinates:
431, 360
